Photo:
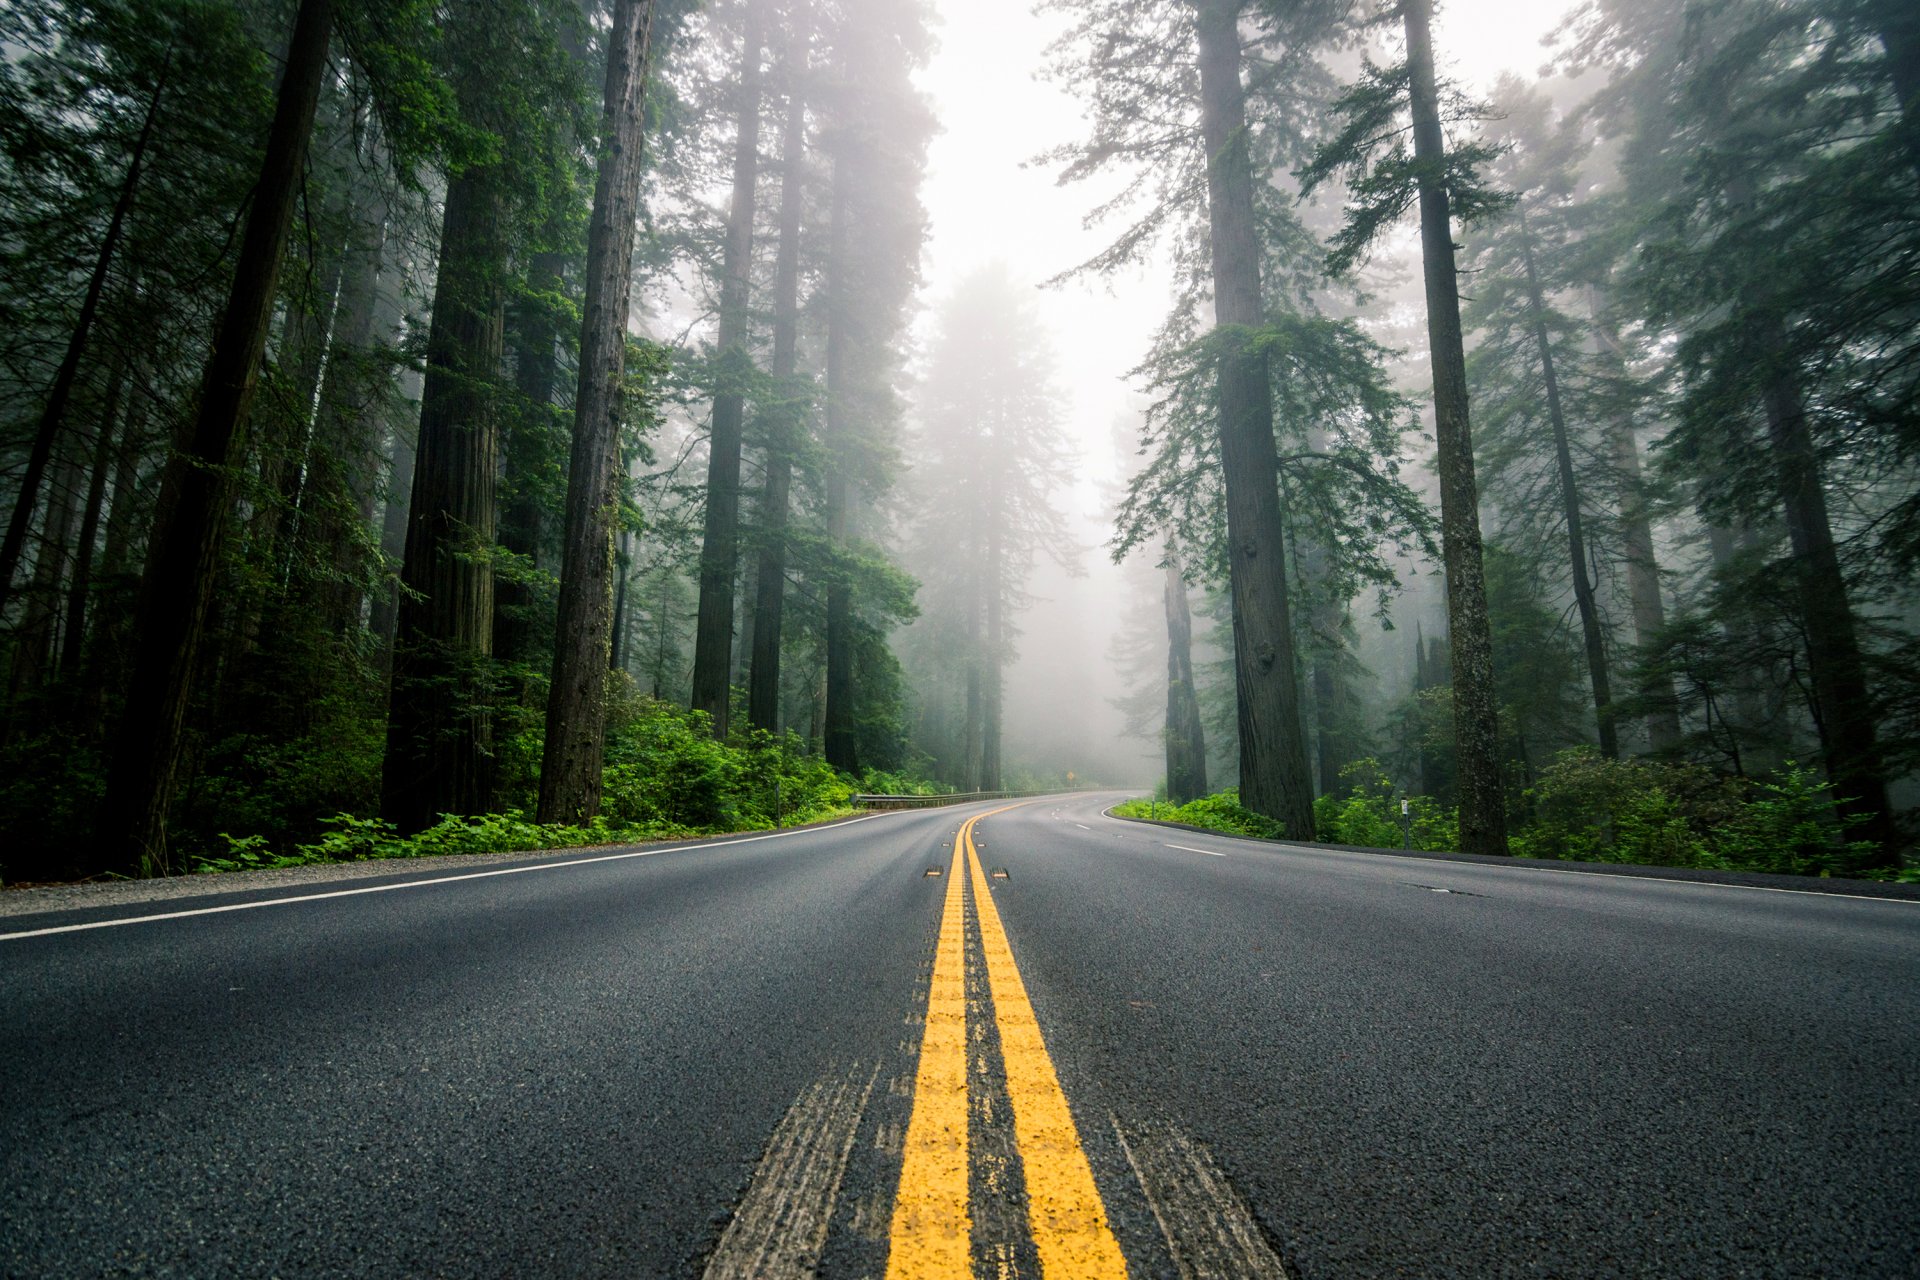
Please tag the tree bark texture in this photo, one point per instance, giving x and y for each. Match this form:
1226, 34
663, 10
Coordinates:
784, 425
1476, 721
54, 411
182, 563
439, 724
1275, 777
1585, 602
1186, 740
575, 751
720, 547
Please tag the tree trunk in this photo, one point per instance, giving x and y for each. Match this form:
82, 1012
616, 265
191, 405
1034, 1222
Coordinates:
1186, 740
51, 415
838, 721
439, 723
1583, 595
1643, 571
575, 750
720, 547
1275, 778
770, 577
182, 564
1841, 696
1476, 721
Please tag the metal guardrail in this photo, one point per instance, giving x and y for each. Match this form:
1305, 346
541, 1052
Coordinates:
931, 802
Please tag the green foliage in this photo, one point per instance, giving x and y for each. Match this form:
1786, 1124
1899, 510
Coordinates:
1383, 178
1684, 815
1221, 811
1590, 809
1369, 814
881, 782
665, 778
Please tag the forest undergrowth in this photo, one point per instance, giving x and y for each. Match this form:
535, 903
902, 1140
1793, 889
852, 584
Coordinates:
666, 778
1585, 808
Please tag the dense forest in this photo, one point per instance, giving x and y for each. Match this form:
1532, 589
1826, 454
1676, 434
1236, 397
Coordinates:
509, 423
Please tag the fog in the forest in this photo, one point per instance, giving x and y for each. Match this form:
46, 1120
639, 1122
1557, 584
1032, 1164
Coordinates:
518, 422
986, 203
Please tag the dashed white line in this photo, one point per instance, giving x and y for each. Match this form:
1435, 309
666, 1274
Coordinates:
1083, 826
1187, 848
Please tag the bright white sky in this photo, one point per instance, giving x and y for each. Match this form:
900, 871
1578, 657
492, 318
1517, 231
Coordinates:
996, 113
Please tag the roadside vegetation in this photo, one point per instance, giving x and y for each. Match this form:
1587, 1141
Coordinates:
666, 778
1585, 808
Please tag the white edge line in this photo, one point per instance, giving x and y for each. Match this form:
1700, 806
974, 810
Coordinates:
1190, 849
415, 884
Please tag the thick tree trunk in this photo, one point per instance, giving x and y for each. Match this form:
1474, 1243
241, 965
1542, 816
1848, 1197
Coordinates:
1476, 721
784, 424
439, 723
1643, 571
575, 751
1275, 777
1186, 739
182, 565
720, 547
1583, 594
837, 731
1842, 699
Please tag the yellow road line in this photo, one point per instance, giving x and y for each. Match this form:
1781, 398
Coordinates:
1069, 1223
932, 1234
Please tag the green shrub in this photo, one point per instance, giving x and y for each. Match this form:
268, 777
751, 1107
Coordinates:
665, 777
1221, 811
1369, 814
1684, 815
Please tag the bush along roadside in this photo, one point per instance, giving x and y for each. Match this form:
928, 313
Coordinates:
1585, 808
666, 778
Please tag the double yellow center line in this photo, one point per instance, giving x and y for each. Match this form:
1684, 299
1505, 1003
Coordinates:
932, 1232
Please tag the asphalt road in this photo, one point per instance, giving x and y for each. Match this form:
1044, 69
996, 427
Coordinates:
727, 1059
